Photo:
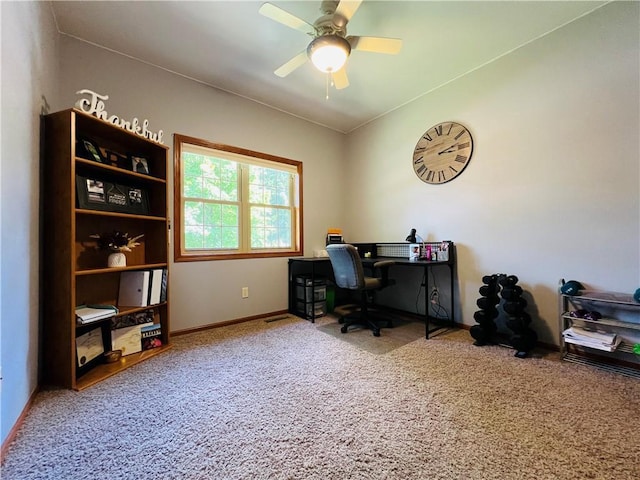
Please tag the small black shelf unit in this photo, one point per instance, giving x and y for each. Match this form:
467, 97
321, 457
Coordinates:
311, 296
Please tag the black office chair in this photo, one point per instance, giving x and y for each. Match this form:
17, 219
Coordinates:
349, 274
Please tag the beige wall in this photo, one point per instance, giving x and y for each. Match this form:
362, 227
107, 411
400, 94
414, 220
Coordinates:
29, 80
553, 187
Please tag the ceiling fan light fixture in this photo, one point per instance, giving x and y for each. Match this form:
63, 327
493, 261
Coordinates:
329, 53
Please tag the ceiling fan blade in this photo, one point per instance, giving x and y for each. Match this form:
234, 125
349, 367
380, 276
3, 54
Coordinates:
269, 10
340, 78
375, 44
292, 64
346, 8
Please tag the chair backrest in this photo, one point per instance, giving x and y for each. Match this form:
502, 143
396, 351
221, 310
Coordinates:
347, 266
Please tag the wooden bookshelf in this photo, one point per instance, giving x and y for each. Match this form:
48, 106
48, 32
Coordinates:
75, 272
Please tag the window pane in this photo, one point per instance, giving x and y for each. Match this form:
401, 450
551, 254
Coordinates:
230, 216
193, 237
210, 188
268, 186
191, 164
270, 227
284, 219
210, 178
230, 237
228, 171
212, 214
212, 238
229, 191
192, 186
282, 194
193, 213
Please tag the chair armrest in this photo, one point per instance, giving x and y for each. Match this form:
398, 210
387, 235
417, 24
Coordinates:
384, 264
384, 271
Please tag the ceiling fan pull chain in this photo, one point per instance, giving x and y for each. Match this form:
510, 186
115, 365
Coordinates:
327, 86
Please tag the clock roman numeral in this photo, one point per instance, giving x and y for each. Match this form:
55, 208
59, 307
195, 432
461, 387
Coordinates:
463, 145
430, 175
454, 170
427, 137
420, 149
461, 158
441, 176
418, 160
421, 169
459, 135
438, 130
450, 127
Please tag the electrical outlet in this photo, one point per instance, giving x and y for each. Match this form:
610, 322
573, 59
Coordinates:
245, 292
434, 295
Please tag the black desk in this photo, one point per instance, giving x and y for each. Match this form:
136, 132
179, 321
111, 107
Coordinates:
321, 266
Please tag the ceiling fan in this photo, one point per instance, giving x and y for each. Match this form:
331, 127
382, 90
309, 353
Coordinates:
331, 46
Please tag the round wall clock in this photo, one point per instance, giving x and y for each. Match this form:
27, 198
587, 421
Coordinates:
442, 153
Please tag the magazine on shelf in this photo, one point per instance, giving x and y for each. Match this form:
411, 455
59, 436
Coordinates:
92, 313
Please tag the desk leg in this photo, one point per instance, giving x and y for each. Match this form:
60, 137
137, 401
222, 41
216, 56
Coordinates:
427, 296
426, 301
451, 295
291, 287
313, 292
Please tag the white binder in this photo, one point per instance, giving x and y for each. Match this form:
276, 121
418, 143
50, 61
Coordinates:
134, 288
156, 286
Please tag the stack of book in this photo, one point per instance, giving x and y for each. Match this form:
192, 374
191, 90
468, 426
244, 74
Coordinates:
92, 313
592, 339
151, 336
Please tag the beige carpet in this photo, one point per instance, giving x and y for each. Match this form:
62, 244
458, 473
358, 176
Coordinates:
403, 332
285, 400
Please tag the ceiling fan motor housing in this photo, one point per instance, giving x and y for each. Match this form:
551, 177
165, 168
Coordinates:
331, 25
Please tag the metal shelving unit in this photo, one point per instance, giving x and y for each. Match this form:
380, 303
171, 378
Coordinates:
622, 360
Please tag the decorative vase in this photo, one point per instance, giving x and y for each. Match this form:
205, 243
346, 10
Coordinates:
117, 259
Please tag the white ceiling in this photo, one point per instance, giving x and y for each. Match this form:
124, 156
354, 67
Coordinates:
229, 45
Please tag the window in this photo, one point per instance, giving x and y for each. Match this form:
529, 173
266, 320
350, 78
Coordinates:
234, 203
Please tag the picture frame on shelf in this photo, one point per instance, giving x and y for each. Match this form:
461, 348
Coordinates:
89, 150
138, 201
139, 164
93, 194
116, 196
96, 194
90, 348
116, 159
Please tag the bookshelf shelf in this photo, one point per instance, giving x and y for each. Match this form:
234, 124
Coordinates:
75, 271
106, 370
98, 271
91, 165
81, 211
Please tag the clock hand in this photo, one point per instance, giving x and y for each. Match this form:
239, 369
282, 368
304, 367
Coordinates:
448, 150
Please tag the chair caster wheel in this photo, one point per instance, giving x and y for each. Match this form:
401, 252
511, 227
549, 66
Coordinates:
376, 333
344, 329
